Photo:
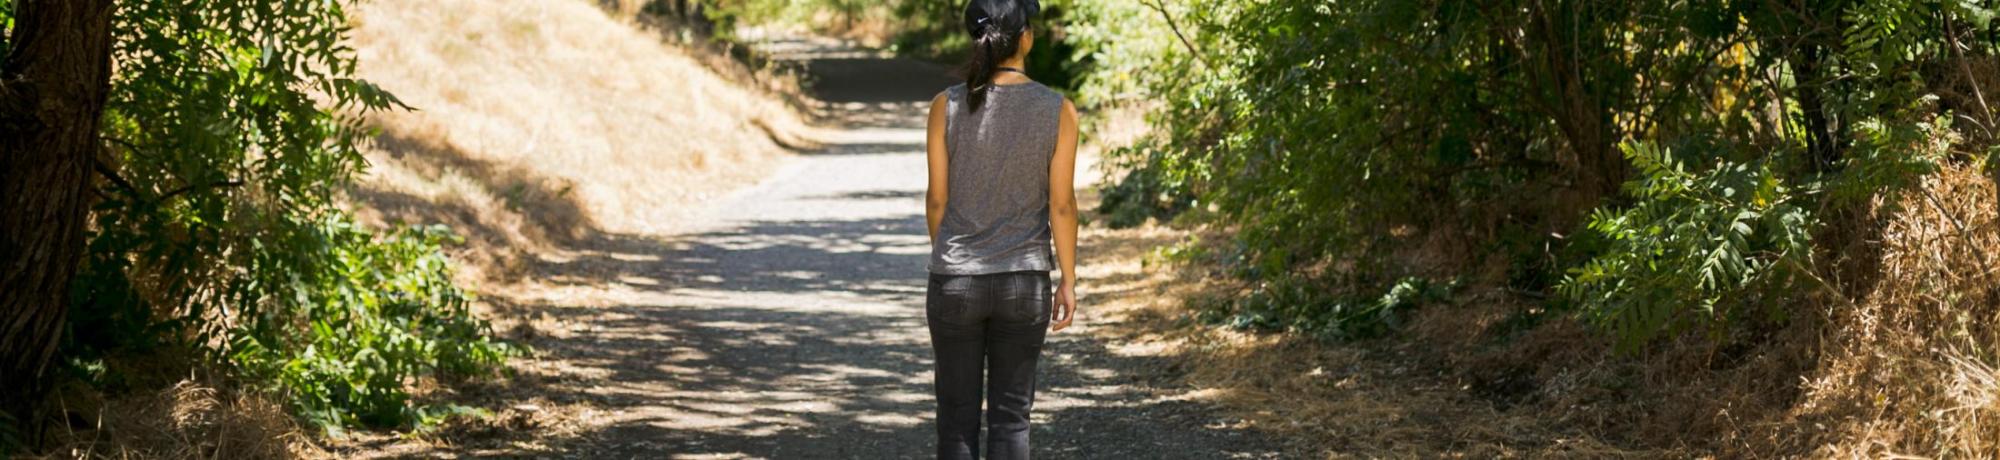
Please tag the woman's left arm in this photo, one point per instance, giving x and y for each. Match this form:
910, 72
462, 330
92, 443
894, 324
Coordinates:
1062, 216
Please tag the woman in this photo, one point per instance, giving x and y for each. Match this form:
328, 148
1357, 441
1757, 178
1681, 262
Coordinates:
1002, 155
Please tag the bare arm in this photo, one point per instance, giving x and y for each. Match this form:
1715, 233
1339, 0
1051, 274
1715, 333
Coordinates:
1062, 215
934, 199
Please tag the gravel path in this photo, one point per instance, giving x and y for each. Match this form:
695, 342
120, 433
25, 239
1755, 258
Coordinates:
787, 321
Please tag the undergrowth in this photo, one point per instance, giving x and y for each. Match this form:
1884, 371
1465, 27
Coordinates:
1290, 305
231, 128
1700, 247
1699, 184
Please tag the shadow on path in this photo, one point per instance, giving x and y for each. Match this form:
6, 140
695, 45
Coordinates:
805, 339
790, 324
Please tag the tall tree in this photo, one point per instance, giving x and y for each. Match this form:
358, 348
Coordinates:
53, 85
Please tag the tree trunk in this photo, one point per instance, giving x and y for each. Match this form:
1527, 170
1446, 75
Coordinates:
1825, 132
53, 86
1577, 103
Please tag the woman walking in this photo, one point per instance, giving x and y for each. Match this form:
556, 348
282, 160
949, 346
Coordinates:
1002, 214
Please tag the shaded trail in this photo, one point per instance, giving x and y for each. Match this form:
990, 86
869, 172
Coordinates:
788, 322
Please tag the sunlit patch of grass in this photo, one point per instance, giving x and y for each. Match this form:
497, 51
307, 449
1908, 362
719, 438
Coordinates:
542, 119
1908, 368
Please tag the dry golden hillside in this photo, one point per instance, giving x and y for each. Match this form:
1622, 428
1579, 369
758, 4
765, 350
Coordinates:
538, 121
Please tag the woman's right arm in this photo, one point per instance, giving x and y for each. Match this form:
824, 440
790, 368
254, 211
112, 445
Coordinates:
934, 199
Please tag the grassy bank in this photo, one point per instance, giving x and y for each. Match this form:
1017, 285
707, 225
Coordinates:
538, 131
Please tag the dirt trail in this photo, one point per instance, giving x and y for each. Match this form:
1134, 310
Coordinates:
787, 320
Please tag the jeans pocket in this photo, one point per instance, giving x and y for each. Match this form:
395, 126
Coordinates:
948, 301
1027, 303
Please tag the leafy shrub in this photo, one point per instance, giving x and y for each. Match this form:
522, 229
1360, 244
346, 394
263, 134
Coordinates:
1890, 155
1295, 306
1144, 193
1696, 248
385, 313
232, 127
1355, 133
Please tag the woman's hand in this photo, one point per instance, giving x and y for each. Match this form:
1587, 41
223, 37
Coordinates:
1064, 308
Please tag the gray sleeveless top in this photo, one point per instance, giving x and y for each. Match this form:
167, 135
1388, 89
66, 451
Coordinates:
996, 214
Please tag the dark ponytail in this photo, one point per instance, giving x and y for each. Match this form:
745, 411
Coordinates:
996, 27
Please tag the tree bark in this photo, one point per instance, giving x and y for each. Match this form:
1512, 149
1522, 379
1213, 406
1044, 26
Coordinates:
1823, 132
1577, 103
53, 86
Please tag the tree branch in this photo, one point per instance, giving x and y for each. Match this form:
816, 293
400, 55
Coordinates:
128, 145
106, 171
1686, 84
1160, 6
1985, 120
1986, 265
193, 187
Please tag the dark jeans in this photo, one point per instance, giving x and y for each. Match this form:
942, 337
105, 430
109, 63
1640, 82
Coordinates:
990, 328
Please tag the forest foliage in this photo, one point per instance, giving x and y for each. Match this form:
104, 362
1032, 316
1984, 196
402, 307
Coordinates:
1656, 167
232, 129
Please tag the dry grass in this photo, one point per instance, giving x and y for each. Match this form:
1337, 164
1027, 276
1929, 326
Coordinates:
1908, 368
1334, 401
193, 418
539, 121
545, 127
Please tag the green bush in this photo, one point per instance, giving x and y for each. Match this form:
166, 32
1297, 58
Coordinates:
384, 314
1143, 192
232, 127
1697, 248
1294, 306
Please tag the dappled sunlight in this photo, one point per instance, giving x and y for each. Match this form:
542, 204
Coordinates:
793, 319
786, 320
637, 281
899, 421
